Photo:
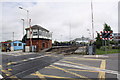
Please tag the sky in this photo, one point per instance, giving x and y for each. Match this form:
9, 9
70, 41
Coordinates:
66, 19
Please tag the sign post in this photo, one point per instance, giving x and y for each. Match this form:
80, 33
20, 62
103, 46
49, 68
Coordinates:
106, 35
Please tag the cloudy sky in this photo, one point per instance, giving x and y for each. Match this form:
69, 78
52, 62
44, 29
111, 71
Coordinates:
61, 17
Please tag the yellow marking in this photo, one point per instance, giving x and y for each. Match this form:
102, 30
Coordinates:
50, 67
69, 72
52, 55
77, 58
11, 63
39, 75
50, 76
0, 66
9, 69
5, 71
81, 70
79, 64
25, 60
74, 69
14, 77
8, 74
101, 75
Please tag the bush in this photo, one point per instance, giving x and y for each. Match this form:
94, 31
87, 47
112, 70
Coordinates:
105, 47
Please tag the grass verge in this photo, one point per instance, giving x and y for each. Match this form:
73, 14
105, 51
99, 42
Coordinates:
111, 51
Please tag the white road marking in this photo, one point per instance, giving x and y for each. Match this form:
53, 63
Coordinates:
28, 60
87, 68
97, 56
1, 76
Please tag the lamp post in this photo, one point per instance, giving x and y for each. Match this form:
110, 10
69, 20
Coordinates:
28, 24
27, 15
23, 26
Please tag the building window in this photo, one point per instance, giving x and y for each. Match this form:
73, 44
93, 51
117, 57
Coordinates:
15, 44
35, 33
20, 44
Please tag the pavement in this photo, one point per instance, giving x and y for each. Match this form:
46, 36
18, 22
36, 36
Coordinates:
36, 66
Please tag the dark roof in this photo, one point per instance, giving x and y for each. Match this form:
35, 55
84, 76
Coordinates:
37, 27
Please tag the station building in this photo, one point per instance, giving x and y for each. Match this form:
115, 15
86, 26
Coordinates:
39, 37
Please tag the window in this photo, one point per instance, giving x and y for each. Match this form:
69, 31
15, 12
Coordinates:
15, 44
20, 44
35, 33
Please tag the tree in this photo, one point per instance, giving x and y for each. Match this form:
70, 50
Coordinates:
107, 28
98, 40
8, 41
24, 38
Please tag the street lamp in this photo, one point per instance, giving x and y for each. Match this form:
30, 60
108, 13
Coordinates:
27, 15
28, 24
23, 26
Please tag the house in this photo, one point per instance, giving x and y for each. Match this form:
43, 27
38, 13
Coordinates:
14, 45
39, 37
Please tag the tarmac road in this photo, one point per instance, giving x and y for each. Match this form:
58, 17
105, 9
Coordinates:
50, 66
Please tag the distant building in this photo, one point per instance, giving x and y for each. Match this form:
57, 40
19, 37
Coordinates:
16, 45
116, 37
39, 37
82, 39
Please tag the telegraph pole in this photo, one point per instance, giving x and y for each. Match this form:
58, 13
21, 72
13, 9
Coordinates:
13, 36
23, 26
92, 20
70, 32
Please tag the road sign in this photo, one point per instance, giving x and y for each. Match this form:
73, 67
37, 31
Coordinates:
105, 35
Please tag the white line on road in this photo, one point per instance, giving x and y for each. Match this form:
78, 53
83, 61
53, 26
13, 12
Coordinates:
87, 68
25, 60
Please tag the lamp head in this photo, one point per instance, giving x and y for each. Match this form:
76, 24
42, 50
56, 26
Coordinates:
20, 7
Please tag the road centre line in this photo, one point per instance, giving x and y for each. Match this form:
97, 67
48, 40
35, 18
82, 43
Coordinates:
87, 68
69, 72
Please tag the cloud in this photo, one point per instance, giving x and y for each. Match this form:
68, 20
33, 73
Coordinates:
58, 17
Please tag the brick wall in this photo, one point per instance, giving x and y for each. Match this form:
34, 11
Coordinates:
40, 44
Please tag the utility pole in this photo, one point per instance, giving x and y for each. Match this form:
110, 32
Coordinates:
92, 20
70, 32
13, 36
30, 32
23, 26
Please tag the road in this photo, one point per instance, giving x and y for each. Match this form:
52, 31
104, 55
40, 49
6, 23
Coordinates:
43, 66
